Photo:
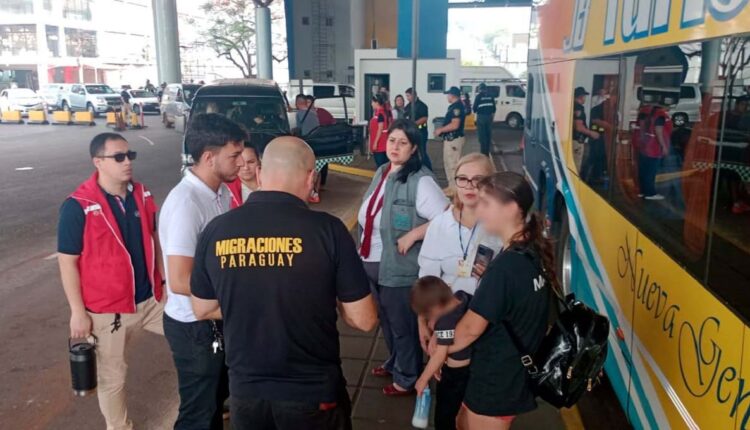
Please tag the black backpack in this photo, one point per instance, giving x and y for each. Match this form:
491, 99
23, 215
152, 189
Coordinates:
571, 356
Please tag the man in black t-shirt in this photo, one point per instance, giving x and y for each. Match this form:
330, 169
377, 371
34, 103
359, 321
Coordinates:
276, 280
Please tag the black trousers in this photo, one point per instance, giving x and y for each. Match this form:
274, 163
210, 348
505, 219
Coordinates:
484, 133
259, 414
449, 395
201, 375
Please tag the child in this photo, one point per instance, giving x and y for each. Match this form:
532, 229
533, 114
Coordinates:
432, 299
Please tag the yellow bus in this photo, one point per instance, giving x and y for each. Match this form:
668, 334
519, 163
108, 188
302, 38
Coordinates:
637, 143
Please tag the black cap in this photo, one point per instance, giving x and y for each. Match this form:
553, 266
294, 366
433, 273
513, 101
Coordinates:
580, 91
454, 91
481, 86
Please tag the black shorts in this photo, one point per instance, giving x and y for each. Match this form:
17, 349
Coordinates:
499, 394
449, 395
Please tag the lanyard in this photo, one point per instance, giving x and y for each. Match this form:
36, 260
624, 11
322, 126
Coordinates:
465, 251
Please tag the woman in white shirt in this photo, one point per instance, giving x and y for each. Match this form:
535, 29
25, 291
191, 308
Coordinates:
403, 197
450, 246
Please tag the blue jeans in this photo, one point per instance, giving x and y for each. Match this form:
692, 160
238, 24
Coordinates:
423, 148
400, 330
201, 375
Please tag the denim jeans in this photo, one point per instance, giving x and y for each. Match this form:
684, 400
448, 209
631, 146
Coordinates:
201, 375
260, 414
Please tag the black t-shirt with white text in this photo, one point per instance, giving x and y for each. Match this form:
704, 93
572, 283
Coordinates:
512, 293
277, 268
445, 326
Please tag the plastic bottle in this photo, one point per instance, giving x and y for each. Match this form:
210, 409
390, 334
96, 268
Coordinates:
421, 416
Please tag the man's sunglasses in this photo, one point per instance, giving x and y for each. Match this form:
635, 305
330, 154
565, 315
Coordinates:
120, 156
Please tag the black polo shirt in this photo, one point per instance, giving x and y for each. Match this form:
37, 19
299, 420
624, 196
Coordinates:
70, 235
421, 111
277, 268
455, 110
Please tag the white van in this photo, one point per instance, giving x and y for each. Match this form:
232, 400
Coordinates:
510, 95
338, 99
686, 111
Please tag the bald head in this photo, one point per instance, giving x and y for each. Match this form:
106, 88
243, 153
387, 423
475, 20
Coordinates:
288, 166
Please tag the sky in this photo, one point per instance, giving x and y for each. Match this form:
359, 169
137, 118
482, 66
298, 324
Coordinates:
467, 26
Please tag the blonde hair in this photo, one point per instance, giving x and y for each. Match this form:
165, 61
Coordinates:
474, 157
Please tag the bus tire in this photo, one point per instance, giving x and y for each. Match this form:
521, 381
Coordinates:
563, 250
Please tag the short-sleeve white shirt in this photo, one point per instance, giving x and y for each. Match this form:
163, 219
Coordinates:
441, 250
189, 207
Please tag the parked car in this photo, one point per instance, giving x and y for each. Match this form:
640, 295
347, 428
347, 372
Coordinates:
510, 95
20, 99
175, 104
260, 106
52, 94
95, 98
143, 100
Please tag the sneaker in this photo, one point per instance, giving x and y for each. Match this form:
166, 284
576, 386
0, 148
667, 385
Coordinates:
314, 198
654, 197
740, 208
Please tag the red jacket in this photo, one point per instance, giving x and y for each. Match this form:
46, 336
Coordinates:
236, 188
105, 268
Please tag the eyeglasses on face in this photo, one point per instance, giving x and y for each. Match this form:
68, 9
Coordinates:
120, 156
466, 182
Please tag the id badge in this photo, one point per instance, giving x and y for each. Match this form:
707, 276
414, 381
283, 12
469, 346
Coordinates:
464, 269
400, 218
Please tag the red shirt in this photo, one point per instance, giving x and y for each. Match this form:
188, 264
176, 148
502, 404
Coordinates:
325, 117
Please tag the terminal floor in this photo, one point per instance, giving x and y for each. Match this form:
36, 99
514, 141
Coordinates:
40, 167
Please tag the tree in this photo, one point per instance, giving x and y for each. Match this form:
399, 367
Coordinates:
231, 31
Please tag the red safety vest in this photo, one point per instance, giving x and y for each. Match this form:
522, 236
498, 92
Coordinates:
105, 267
648, 144
236, 188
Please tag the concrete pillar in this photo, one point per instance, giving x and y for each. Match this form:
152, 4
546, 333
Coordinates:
167, 39
710, 58
264, 54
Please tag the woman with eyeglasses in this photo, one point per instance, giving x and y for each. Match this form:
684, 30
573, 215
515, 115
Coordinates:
457, 249
403, 197
510, 306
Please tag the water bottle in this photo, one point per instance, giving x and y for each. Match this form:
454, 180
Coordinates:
422, 410
82, 367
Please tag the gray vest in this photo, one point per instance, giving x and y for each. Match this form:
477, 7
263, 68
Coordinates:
398, 218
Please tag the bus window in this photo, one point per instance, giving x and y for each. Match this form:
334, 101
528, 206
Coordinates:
729, 272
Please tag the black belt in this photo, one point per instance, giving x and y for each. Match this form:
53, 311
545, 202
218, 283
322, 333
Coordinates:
450, 137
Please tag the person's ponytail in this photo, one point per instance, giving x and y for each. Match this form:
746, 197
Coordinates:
533, 235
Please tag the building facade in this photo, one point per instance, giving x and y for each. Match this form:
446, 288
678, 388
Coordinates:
68, 41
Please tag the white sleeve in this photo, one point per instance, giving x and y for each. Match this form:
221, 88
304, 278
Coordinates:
429, 256
183, 229
431, 200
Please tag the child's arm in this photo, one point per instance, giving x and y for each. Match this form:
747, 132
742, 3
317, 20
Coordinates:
433, 366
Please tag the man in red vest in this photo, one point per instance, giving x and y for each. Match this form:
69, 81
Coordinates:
111, 266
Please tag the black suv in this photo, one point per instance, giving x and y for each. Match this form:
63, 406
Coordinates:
261, 107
